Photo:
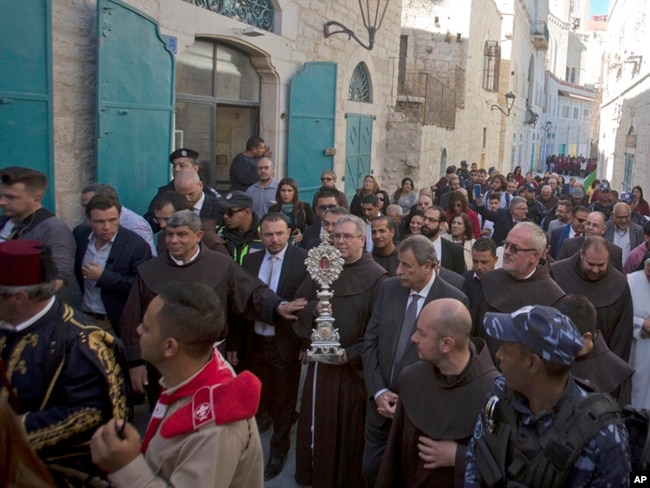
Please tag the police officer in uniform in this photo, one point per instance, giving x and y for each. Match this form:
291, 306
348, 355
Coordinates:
537, 412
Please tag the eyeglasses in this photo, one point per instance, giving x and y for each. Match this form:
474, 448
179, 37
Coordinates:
159, 220
582, 221
344, 237
232, 211
514, 249
325, 208
430, 219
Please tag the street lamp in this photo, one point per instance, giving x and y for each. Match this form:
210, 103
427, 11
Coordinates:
510, 101
372, 13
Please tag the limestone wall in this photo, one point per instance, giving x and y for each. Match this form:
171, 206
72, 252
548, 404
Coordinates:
625, 109
445, 36
277, 56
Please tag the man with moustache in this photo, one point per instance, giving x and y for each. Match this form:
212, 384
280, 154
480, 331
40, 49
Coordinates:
590, 273
384, 251
594, 226
273, 353
387, 349
187, 260
524, 279
484, 259
449, 255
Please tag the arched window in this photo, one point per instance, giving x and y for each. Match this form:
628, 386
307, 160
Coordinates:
360, 89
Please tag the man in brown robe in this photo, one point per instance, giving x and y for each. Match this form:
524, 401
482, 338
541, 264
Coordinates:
329, 443
591, 274
595, 362
523, 280
189, 260
595, 225
429, 434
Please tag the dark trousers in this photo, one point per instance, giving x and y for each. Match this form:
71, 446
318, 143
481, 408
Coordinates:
280, 380
375, 439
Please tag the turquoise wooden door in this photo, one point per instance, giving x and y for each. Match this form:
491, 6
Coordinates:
135, 100
312, 109
26, 88
358, 148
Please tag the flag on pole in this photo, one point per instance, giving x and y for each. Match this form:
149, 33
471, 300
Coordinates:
590, 179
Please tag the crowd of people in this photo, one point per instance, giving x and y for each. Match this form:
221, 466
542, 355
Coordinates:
571, 165
482, 319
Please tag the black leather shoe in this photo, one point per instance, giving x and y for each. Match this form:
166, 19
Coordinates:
274, 467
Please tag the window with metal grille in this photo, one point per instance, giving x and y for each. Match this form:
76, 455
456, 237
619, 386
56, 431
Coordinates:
360, 90
491, 61
258, 13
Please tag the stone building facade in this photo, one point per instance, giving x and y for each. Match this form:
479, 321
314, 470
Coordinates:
624, 116
256, 68
458, 59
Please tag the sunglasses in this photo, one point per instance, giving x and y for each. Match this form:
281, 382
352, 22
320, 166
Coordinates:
231, 211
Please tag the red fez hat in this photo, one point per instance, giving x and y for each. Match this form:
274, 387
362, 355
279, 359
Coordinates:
24, 263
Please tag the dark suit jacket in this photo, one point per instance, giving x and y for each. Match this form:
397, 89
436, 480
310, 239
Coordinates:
383, 330
127, 253
636, 233
572, 246
211, 208
502, 219
558, 236
311, 235
453, 257
292, 274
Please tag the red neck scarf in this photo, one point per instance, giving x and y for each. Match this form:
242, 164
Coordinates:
217, 396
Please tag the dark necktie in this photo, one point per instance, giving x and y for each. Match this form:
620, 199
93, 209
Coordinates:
406, 331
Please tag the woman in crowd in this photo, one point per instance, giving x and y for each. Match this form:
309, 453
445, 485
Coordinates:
457, 204
460, 232
518, 176
413, 224
297, 214
639, 204
369, 187
384, 200
405, 196
560, 183
593, 192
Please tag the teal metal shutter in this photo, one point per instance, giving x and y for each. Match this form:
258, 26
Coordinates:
312, 106
358, 149
135, 103
26, 133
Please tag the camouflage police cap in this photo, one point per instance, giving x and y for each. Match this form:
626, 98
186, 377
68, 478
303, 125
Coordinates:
626, 197
544, 330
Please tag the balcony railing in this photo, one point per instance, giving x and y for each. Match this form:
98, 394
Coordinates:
425, 99
258, 13
539, 35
